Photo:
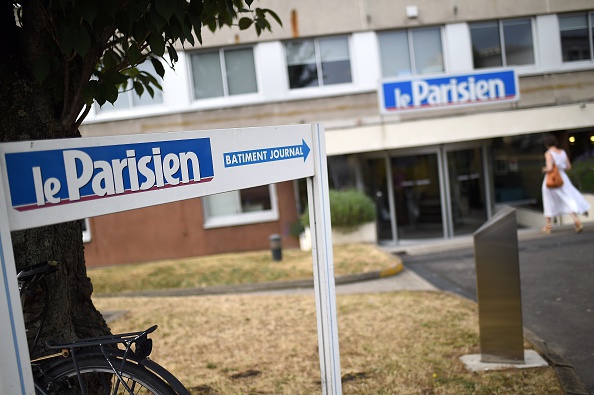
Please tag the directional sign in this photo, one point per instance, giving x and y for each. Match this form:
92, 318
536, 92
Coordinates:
242, 158
79, 178
52, 181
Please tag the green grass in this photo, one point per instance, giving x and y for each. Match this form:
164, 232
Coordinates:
233, 269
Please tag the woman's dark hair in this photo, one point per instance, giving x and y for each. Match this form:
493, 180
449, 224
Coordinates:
550, 141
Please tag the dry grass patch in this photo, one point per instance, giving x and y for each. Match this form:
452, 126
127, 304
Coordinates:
226, 269
394, 343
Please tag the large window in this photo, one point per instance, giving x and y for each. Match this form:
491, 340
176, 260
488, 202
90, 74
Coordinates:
128, 99
577, 35
245, 206
318, 62
502, 43
414, 51
225, 72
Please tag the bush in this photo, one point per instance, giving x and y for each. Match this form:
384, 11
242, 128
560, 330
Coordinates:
582, 175
348, 209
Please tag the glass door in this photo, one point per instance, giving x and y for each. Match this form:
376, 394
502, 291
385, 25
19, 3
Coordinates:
467, 190
378, 183
417, 196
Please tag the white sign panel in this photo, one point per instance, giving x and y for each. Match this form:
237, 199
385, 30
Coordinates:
59, 180
51, 181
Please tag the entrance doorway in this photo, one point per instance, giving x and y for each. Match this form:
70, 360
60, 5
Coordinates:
417, 196
436, 193
466, 190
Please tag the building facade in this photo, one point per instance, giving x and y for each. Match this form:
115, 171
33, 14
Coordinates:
439, 171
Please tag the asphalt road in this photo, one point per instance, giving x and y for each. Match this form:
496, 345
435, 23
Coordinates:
557, 283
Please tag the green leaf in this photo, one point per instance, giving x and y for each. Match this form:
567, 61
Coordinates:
148, 79
140, 30
274, 15
172, 54
212, 24
157, 20
134, 54
245, 23
157, 44
187, 29
150, 90
67, 40
82, 41
158, 66
114, 77
87, 10
165, 8
138, 88
196, 24
91, 91
109, 7
108, 60
123, 21
109, 92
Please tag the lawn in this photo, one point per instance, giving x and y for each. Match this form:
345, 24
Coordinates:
390, 343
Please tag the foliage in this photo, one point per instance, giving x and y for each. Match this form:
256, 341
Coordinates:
348, 209
89, 50
582, 174
296, 228
60, 56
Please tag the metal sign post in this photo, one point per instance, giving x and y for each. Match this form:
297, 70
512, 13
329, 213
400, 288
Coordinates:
52, 181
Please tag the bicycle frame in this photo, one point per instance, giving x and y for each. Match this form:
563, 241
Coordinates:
100, 347
105, 347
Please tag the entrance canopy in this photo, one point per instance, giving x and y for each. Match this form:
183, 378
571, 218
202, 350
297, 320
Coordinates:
52, 181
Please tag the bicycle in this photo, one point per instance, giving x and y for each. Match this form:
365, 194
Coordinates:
76, 367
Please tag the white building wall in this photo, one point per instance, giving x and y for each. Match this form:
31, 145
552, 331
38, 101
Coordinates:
456, 39
274, 102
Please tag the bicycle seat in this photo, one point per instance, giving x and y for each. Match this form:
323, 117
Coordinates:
37, 271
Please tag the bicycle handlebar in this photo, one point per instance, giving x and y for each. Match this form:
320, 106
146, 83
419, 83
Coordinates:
37, 272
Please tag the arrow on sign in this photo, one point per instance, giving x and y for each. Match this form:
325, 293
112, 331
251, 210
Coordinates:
252, 157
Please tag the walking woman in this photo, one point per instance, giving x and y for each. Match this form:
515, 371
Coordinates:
565, 199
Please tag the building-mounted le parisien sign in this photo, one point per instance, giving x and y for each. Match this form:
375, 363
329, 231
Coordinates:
448, 90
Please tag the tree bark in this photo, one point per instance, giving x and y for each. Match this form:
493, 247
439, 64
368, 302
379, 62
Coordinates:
28, 113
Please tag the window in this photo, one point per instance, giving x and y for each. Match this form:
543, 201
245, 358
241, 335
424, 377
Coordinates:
129, 99
245, 206
224, 73
318, 62
577, 34
86, 231
502, 43
414, 51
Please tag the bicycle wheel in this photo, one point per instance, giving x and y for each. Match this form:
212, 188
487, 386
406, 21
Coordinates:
98, 378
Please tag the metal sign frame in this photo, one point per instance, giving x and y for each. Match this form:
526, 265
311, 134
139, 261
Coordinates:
51, 181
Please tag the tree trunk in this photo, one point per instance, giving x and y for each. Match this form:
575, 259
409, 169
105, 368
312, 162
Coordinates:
27, 113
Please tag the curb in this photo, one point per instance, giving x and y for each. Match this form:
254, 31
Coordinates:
564, 371
258, 287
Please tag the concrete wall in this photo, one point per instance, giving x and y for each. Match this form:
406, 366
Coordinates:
353, 122
306, 18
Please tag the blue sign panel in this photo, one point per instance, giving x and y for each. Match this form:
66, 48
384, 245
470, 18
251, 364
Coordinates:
251, 157
419, 93
55, 177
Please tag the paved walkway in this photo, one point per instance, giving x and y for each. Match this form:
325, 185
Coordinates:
557, 293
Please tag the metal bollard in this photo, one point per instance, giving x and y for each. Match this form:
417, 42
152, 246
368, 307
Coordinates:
498, 289
276, 247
